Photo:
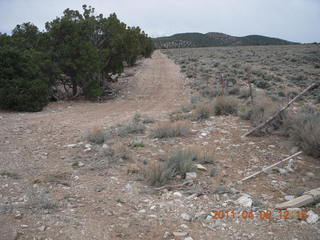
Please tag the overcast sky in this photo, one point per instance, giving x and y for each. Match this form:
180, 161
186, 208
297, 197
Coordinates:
295, 20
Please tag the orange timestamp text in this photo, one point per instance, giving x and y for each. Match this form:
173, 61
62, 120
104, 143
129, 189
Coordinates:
262, 214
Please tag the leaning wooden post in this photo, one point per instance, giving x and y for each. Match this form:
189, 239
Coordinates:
312, 86
222, 84
270, 167
248, 71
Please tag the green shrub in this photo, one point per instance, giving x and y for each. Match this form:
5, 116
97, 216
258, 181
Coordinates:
22, 85
136, 144
94, 91
262, 84
213, 171
225, 106
234, 91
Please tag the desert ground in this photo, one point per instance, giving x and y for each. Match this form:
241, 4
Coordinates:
56, 184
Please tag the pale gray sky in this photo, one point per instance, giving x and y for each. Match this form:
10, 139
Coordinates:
295, 20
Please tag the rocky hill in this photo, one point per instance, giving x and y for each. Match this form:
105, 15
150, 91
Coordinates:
213, 39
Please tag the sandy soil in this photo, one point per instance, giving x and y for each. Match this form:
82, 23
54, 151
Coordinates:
113, 203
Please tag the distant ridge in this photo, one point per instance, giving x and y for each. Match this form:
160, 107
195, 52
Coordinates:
214, 39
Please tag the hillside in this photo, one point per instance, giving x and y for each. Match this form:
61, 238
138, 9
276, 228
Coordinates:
213, 39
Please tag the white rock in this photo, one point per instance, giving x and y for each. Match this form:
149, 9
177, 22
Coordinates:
312, 217
167, 234
88, 145
105, 146
186, 217
184, 226
201, 167
180, 234
71, 145
188, 238
191, 175
289, 197
310, 174
245, 201
42, 228
177, 195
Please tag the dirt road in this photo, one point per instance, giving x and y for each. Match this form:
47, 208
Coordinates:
53, 187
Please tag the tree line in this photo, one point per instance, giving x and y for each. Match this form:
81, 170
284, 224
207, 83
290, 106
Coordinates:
78, 53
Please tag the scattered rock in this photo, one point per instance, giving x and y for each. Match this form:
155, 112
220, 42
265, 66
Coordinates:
184, 226
282, 170
105, 146
186, 217
167, 235
42, 228
180, 234
289, 197
188, 238
71, 145
18, 215
201, 167
191, 175
177, 195
245, 201
312, 217
310, 174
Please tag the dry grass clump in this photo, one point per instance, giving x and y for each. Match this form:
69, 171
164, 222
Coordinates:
179, 163
202, 112
96, 136
260, 111
133, 127
303, 128
158, 174
168, 130
118, 153
225, 105
201, 155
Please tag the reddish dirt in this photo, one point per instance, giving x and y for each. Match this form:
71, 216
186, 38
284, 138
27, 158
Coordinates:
113, 202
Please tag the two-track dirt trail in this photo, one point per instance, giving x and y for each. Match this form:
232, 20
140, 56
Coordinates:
157, 88
33, 145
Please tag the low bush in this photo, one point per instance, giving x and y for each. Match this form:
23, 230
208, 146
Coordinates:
258, 113
303, 128
263, 84
234, 91
225, 106
22, 84
168, 130
202, 112
133, 127
158, 174
179, 163
96, 136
